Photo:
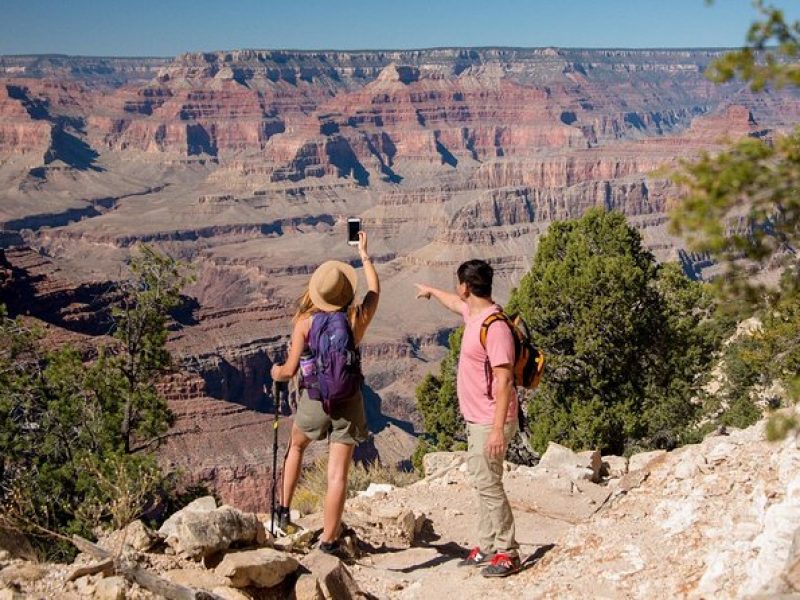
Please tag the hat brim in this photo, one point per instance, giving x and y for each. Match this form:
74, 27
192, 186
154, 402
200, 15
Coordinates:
313, 287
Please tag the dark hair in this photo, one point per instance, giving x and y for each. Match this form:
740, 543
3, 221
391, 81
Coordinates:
477, 274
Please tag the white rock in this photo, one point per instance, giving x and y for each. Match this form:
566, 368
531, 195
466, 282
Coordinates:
720, 452
204, 504
643, 459
376, 488
677, 517
688, 467
584, 465
775, 543
201, 534
435, 462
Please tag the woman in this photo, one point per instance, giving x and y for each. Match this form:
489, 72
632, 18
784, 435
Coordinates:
331, 289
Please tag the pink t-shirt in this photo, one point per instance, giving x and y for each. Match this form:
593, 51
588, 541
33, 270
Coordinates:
475, 403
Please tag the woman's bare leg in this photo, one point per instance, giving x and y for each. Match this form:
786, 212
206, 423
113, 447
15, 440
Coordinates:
339, 458
293, 464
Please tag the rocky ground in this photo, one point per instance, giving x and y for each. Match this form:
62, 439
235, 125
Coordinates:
720, 519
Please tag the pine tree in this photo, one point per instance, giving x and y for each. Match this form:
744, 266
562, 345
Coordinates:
622, 351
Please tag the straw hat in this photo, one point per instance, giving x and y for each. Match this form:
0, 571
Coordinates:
333, 285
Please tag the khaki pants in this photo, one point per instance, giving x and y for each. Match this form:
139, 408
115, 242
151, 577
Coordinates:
495, 520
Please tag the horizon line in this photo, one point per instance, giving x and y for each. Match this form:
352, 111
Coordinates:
379, 50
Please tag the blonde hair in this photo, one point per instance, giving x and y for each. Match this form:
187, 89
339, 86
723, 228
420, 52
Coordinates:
306, 308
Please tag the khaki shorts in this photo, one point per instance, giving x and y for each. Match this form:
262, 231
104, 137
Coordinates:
347, 423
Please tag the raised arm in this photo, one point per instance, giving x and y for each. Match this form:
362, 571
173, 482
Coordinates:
447, 299
373, 284
370, 304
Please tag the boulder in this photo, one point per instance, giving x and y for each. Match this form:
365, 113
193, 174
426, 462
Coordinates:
434, 463
264, 567
196, 578
308, 588
407, 523
594, 461
228, 593
9, 594
614, 466
388, 523
204, 504
139, 537
136, 535
111, 588
584, 465
643, 459
334, 578
299, 540
201, 534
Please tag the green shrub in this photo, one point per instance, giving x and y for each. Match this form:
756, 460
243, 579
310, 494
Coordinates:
75, 437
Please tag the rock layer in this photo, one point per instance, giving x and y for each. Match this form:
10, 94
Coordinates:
245, 164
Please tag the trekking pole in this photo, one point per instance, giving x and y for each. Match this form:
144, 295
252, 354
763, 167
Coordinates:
276, 390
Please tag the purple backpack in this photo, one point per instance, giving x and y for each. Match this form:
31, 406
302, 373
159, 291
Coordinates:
337, 363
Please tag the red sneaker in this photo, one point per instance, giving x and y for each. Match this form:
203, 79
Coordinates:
503, 564
474, 558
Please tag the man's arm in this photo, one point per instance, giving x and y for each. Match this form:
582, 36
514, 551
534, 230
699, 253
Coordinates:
503, 386
448, 300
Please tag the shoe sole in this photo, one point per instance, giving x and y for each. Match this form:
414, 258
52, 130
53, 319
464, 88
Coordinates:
506, 574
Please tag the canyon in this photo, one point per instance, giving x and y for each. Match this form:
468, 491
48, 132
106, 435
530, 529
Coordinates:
245, 165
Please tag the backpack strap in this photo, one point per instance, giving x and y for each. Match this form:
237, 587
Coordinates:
488, 322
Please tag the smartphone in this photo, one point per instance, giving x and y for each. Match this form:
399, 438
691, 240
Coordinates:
353, 227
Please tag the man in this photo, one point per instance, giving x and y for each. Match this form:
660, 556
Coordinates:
487, 399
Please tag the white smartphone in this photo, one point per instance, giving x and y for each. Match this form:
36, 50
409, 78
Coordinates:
353, 227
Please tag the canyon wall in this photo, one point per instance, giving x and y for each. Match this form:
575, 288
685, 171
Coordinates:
245, 164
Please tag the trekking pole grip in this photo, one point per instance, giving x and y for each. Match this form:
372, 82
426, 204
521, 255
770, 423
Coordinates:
276, 399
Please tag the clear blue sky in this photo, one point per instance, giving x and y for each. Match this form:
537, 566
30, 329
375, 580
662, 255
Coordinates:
168, 27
